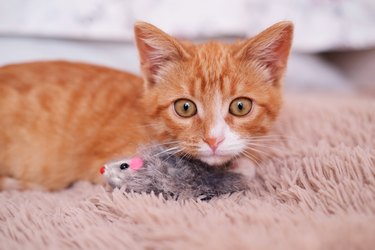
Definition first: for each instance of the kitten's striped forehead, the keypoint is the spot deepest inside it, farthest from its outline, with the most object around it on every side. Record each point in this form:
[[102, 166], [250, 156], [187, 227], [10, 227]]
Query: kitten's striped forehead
[[212, 64], [213, 61]]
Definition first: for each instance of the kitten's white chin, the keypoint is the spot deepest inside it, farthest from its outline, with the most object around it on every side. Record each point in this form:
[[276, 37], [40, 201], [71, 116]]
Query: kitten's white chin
[[215, 160]]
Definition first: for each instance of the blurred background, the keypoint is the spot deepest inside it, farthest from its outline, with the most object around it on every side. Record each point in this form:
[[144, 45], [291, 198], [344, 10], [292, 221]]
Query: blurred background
[[334, 46]]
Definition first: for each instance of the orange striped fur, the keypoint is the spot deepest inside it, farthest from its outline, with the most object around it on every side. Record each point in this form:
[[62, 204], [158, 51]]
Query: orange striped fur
[[61, 120]]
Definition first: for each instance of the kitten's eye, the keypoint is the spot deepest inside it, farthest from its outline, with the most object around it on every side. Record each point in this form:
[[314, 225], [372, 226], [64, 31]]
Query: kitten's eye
[[240, 106], [185, 108], [124, 166]]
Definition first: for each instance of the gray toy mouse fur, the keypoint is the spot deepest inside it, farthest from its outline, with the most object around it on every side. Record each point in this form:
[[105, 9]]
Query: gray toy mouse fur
[[172, 176]]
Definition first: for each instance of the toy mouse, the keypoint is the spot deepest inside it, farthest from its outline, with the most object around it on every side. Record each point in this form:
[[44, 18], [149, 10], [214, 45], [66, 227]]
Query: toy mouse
[[171, 175]]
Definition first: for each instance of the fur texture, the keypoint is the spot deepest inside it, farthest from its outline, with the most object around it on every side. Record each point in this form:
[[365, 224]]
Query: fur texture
[[177, 177], [60, 121]]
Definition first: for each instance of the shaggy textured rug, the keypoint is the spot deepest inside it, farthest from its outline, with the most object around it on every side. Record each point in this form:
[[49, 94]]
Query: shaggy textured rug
[[316, 190]]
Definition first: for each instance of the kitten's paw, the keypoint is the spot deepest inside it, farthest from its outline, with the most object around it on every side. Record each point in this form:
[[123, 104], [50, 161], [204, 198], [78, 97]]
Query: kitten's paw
[[245, 167]]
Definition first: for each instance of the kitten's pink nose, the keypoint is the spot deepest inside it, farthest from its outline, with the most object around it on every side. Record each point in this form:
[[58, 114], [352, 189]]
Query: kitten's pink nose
[[213, 142]]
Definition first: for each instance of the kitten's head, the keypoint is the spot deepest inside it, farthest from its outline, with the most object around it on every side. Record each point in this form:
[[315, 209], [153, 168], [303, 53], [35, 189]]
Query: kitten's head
[[209, 100]]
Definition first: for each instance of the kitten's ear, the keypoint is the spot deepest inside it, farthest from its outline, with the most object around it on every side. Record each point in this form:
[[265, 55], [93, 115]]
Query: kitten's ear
[[270, 48], [156, 49]]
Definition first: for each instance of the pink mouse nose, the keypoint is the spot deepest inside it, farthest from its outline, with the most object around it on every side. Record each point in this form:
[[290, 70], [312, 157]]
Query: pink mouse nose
[[102, 169]]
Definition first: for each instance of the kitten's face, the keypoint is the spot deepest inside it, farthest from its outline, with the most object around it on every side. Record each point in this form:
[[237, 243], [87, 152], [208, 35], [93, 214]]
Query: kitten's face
[[212, 100]]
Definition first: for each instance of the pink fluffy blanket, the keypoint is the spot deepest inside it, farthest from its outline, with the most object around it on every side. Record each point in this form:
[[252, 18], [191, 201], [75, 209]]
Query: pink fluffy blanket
[[315, 190]]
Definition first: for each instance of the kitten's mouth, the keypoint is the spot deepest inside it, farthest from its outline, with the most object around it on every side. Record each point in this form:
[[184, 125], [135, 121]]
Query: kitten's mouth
[[215, 160]]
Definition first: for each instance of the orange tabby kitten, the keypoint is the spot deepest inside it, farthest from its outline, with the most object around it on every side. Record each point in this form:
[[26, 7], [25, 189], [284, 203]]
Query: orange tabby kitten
[[60, 120]]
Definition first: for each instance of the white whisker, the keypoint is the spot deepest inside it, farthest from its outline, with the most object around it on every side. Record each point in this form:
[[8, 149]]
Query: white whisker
[[277, 137], [160, 144], [269, 155], [271, 147], [251, 157], [168, 150]]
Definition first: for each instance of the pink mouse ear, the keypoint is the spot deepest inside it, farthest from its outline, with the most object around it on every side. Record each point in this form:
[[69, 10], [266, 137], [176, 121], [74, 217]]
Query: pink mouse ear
[[136, 163]]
